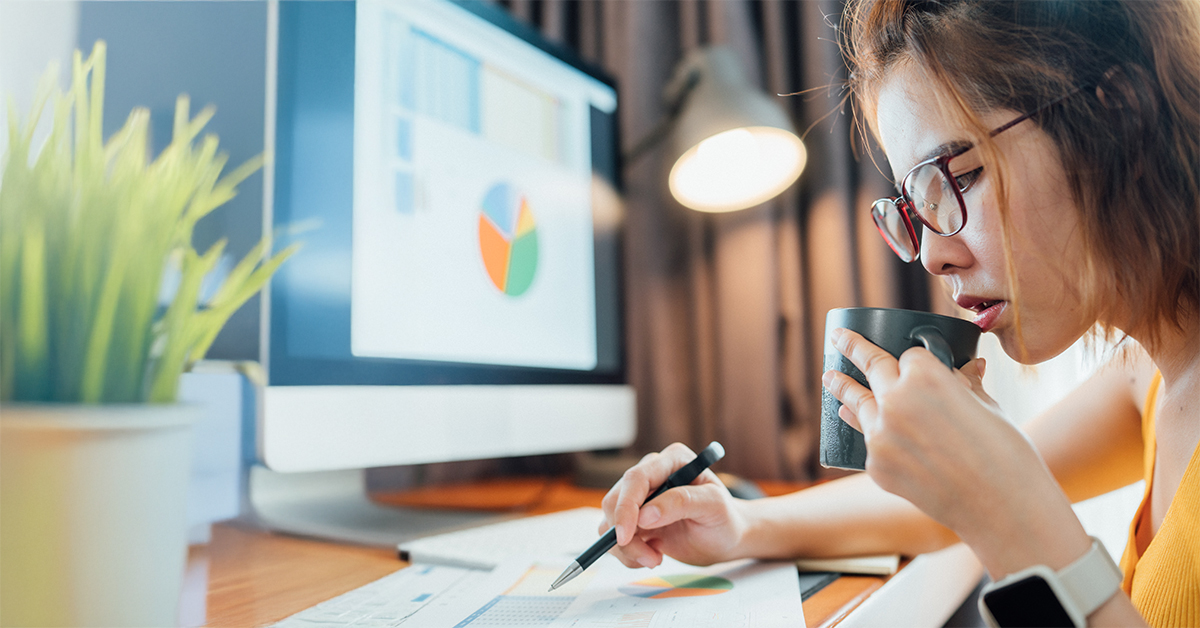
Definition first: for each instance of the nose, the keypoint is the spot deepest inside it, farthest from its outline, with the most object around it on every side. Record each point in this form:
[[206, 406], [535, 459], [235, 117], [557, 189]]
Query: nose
[[943, 255]]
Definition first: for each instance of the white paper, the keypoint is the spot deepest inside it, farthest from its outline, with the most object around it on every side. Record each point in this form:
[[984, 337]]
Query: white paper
[[393, 599], [747, 594]]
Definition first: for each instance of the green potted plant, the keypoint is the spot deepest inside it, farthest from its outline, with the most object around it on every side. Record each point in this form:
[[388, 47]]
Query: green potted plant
[[94, 451]]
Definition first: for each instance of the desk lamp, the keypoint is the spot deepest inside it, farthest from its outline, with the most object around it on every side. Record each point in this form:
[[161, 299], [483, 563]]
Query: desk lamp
[[732, 146]]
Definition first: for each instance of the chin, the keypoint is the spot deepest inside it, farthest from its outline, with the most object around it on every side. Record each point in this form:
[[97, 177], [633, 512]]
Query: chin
[[1037, 349]]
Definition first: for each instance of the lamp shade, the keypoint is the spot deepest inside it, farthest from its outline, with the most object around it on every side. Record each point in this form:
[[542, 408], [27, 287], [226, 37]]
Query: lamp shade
[[732, 146]]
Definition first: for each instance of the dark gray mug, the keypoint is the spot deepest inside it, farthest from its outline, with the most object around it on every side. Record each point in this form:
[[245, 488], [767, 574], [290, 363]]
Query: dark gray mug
[[952, 340]]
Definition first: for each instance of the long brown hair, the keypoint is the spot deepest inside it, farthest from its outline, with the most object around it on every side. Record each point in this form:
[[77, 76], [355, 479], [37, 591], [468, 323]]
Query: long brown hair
[[1129, 137]]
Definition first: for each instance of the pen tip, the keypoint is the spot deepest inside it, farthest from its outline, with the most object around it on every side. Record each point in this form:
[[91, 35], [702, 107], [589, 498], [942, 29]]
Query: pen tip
[[566, 576]]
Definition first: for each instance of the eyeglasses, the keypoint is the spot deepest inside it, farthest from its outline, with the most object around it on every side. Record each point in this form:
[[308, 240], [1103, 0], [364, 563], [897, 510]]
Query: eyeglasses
[[932, 192]]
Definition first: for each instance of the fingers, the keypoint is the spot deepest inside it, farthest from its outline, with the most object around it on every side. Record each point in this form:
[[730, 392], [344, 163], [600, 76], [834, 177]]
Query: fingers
[[857, 400], [972, 374], [880, 367], [698, 502], [671, 518], [637, 553], [623, 504], [623, 501], [919, 361], [845, 414]]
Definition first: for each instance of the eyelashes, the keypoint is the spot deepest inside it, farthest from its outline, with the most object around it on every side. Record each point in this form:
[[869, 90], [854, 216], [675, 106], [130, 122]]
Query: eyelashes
[[965, 180]]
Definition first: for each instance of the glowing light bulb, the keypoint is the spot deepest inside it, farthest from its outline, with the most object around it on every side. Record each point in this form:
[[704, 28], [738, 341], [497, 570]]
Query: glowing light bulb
[[737, 169]]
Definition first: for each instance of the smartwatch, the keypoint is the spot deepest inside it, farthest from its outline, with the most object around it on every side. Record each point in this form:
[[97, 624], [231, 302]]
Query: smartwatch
[[1039, 596]]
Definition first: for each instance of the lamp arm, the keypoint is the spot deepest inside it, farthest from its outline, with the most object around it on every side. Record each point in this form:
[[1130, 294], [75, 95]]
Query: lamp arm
[[649, 140], [675, 95]]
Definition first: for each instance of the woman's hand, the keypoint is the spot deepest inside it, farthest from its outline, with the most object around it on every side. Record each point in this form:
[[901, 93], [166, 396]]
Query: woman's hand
[[934, 438], [699, 524]]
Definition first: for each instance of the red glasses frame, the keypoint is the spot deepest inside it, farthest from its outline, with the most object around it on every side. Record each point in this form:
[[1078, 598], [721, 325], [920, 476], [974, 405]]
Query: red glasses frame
[[905, 205]]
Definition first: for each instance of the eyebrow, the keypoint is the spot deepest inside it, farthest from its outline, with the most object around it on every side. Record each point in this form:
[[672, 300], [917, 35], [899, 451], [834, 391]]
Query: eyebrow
[[956, 146], [947, 148]]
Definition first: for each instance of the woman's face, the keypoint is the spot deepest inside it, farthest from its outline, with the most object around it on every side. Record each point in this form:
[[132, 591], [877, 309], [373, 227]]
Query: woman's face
[[1046, 239]]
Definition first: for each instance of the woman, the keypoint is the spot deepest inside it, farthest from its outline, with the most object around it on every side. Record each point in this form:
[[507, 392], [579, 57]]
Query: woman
[[1052, 150]]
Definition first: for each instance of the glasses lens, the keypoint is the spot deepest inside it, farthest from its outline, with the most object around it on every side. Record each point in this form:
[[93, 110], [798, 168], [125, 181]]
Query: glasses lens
[[933, 200], [890, 222]]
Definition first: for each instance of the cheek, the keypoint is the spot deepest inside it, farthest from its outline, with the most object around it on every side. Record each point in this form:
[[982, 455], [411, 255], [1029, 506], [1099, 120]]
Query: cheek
[[1045, 218], [984, 234], [1047, 242]]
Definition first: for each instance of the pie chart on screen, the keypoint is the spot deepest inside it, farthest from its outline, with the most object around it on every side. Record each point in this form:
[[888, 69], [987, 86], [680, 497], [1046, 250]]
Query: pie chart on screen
[[508, 239], [683, 585]]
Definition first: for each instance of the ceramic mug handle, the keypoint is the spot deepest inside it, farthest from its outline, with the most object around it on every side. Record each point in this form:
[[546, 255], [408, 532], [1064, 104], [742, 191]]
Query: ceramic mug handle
[[933, 340]]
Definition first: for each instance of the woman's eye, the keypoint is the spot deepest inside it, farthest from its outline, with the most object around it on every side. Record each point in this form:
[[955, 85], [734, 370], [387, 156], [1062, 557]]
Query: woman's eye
[[965, 180]]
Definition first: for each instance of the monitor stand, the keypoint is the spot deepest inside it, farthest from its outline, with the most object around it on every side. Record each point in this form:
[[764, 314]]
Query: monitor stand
[[333, 505]]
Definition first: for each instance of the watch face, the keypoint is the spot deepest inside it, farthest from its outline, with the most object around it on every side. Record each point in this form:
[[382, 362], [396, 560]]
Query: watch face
[[1029, 602]]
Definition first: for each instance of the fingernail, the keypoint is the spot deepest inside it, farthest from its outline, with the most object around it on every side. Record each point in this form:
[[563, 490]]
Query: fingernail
[[827, 378], [982, 367], [836, 335], [646, 561], [649, 515]]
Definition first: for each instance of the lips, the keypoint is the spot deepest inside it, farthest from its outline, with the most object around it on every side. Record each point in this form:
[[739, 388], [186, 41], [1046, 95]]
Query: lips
[[987, 311]]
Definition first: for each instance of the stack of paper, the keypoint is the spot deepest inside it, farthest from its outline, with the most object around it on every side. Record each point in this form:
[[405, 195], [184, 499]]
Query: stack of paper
[[885, 565]]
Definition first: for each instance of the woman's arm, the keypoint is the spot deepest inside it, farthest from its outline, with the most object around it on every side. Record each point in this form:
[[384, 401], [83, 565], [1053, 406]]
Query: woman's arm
[[956, 459], [1092, 439], [703, 524], [1091, 442], [850, 516]]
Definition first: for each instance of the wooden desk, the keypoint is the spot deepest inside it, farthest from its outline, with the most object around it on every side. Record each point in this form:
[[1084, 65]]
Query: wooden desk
[[256, 578]]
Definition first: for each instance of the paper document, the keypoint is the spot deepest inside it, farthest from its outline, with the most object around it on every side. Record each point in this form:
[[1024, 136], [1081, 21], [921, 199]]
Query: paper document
[[884, 565], [391, 600], [745, 593], [567, 533]]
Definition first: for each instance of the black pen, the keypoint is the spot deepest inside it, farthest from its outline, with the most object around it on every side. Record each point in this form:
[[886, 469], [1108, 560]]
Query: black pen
[[682, 477]]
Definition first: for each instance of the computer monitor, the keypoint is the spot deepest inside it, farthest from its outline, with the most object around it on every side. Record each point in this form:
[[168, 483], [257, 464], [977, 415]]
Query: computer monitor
[[452, 177]]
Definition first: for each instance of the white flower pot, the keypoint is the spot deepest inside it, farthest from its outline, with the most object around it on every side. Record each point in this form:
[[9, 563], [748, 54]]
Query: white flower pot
[[93, 525]]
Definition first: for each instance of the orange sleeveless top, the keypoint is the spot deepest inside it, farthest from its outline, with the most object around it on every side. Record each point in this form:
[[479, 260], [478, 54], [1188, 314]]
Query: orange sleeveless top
[[1162, 571]]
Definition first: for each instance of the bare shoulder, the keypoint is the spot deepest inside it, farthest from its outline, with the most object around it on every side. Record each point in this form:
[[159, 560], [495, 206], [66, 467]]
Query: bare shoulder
[[1117, 388], [1130, 370], [1092, 439]]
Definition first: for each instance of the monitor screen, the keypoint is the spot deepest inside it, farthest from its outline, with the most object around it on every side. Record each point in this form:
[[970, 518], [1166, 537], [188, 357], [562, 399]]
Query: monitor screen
[[452, 178], [472, 235]]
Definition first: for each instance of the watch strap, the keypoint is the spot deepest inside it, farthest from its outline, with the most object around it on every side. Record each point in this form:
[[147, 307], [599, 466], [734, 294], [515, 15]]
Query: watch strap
[[1081, 587], [1092, 579]]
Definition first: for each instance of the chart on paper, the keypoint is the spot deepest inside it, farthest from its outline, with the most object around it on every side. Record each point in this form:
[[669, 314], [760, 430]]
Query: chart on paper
[[528, 602], [608, 595], [684, 585]]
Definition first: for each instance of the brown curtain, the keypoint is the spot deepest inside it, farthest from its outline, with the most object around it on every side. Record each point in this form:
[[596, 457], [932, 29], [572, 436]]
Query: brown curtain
[[725, 313]]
